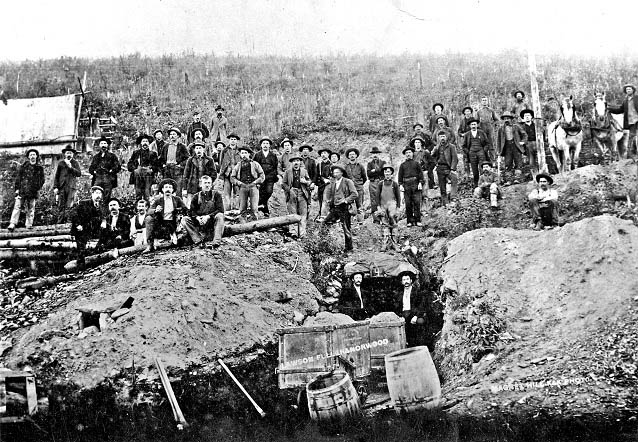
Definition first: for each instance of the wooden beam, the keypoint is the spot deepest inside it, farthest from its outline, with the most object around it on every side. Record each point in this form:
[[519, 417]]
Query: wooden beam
[[536, 107]]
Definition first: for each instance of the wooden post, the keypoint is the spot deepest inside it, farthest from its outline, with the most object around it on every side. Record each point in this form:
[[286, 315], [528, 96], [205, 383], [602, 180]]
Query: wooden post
[[418, 65], [77, 120], [538, 119]]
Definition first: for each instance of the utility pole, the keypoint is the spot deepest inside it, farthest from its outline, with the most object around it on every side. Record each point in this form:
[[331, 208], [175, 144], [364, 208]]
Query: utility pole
[[536, 107]]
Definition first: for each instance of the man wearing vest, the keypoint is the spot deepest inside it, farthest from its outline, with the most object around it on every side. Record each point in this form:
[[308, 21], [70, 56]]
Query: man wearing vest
[[410, 304], [196, 167], [411, 181], [357, 173], [389, 197], [206, 214], [269, 163], [351, 301], [65, 181], [323, 175], [296, 187], [247, 175], [511, 145], [104, 167], [444, 155], [86, 221], [286, 150], [374, 171], [143, 166], [340, 197], [173, 158], [163, 215], [138, 225], [531, 149], [476, 148], [228, 158]]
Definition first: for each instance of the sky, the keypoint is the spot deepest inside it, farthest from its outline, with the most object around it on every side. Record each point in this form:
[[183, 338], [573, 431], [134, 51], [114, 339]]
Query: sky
[[41, 29]]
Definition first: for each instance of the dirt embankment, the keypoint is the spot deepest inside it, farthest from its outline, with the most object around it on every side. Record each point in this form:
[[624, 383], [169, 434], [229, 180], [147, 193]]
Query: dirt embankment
[[542, 320]]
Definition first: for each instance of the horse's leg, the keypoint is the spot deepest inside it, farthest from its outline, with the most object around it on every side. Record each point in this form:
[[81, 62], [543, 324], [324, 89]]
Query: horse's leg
[[576, 156], [623, 145], [556, 155]]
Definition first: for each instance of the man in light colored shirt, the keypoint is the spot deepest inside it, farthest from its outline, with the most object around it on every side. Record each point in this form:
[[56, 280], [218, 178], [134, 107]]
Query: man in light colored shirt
[[411, 308], [629, 108], [352, 301], [138, 226], [543, 203], [163, 214]]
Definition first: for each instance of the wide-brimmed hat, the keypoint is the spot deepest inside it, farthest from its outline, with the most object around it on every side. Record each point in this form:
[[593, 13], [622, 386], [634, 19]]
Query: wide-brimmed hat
[[352, 149], [265, 138], [417, 124], [69, 148], [113, 199], [202, 129], [335, 153], [325, 149], [518, 91], [286, 140], [103, 138], [438, 104], [139, 139], [387, 166], [472, 120], [176, 130], [158, 130], [507, 114], [294, 157], [357, 273], [375, 149], [94, 188], [410, 148], [527, 111], [483, 163], [234, 135], [438, 117], [417, 138], [220, 142], [37, 154], [219, 108], [338, 166], [170, 181], [305, 146], [626, 85], [246, 148], [547, 176], [467, 107], [441, 132]]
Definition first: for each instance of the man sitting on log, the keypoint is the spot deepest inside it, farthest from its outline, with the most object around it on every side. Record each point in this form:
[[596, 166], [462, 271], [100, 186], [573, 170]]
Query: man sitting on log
[[247, 175], [543, 203], [86, 219], [352, 302], [411, 305], [28, 183], [488, 185], [138, 224], [295, 185], [163, 214], [116, 229], [206, 214], [65, 181]]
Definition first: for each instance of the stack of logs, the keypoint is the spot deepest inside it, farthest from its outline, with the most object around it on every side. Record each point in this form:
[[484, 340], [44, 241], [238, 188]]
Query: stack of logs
[[42, 243]]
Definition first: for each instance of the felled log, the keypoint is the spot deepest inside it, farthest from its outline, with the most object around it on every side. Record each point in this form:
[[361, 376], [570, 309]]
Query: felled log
[[53, 230], [101, 258], [32, 254], [261, 225], [38, 283], [39, 244], [47, 238]]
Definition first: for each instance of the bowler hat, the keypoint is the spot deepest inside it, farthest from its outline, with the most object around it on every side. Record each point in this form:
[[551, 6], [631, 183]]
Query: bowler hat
[[444, 118], [507, 114], [286, 140], [94, 188], [103, 138], [626, 85], [527, 111], [37, 154], [410, 148], [338, 166], [202, 129], [352, 149], [69, 148], [375, 149], [325, 149], [219, 108], [198, 143], [438, 104], [220, 142], [519, 91], [441, 132], [388, 167], [158, 130], [305, 146], [547, 176], [483, 163], [176, 130], [467, 107], [417, 124], [234, 135], [417, 138], [294, 157], [170, 181], [472, 120], [139, 139], [246, 148], [335, 153], [265, 138]]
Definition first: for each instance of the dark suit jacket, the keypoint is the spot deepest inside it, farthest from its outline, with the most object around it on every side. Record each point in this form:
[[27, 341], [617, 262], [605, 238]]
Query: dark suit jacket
[[449, 155], [108, 164], [30, 179], [122, 229], [178, 207], [65, 176], [375, 172], [350, 304], [269, 165], [134, 162], [417, 305], [85, 214], [622, 109], [181, 154], [198, 206], [323, 170], [350, 192], [519, 136], [483, 138], [192, 175], [286, 183]]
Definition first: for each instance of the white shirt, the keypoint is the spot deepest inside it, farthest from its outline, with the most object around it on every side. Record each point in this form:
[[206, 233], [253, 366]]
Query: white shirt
[[548, 195], [358, 290], [168, 208], [338, 183], [113, 222], [474, 133], [407, 291]]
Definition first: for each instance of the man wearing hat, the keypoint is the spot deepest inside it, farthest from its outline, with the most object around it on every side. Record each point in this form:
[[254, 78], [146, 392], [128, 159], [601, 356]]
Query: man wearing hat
[[520, 104], [411, 181], [442, 124], [138, 223], [218, 124], [446, 159], [307, 161], [543, 203], [104, 167], [164, 214], [172, 158], [423, 156], [531, 151], [511, 146], [389, 197], [143, 165], [28, 183], [374, 171], [286, 150], [410, 304], [629, 108], [340, 197], [65, 180], [197, 137], [438, 112], [464, 125], [158, 141], [351, 301], [487, 119], [476, 148], [357, 173], [196, 124], [228, 158], [86, 221], [196, 167], [115, 231], [269, 163], [247, 175], [296, 186], [488, 185], [206, 214], [323, 175]]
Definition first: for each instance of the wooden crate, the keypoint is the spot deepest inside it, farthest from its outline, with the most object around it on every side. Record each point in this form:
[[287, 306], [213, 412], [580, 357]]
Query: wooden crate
[[394, 332], [31, 395]]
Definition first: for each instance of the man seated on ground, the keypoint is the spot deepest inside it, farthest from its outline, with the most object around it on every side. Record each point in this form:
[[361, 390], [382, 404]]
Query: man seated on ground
[[352, 301], [543, 203], [296, 186], [115, 231], [389, 197], [206, 214], [488, 185], [163, 214], [138, 225], [86, 219], [247, 175], [411, 306]]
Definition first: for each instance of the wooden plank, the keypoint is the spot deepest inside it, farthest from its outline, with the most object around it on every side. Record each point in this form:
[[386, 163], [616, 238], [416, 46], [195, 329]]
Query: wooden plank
[[3, 396], [16, 374], [32, 396], [536, 107], [177, 411]]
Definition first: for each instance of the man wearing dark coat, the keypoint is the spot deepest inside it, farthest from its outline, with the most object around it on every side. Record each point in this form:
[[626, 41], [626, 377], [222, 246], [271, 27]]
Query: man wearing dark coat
[[410, 304], [340, 195], [446, 160], [196, 167], [323, 175], [172, 158], [163, 214], [158, 143], [357, 173], [65, 180], [143, 165], [269, 163], [476, 148], [206, 214], [86, 221], [354, 300], [228, 157], [104, 167], [196, 124], [28, 183], [115, 232], [411, 180], [296, 186], [511, 139], [374, 171], [629, 108]]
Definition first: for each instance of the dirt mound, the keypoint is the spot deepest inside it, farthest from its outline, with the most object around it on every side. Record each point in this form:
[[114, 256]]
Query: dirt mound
[[384, 317], [542, 319], [189, 306], [327, 318]]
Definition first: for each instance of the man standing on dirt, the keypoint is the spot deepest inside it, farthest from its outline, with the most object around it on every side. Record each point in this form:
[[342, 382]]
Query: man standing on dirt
[[487, 119], [163, 214], [173, 158], [444, 155], [389, 197], [520, 104], [374, 170], [296, 186], [28, 183], [228, 158], [206, 214], [423, 156], [218, 125], [510, 148], [476, 148], [411, 181], [286, 150], [442, 124], [529, 127], [464, 125], [488, 185], [341, 194], [351, 301], [138, 226], [247, 175], [269, 163], [198, 137], [65, 181], [115, 232], [158, 143], [323, 175], [438, 112], [357, 173], [196, 167], [307, 161], [629, 108], [104, 167], [143, 165], [411, 306], [86, 222], [543, 203], [196, 124]]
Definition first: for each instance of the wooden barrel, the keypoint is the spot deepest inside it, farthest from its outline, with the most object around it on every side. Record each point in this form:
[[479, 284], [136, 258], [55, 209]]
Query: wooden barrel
[[332, 397], [394, 333], [413, 382]]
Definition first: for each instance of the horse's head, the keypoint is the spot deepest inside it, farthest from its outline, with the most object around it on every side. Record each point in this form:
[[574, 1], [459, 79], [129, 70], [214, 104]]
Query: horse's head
[[600, 105], [567, 109]]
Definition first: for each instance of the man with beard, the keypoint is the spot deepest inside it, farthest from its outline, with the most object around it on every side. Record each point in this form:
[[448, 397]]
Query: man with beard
[[374, 171], [296, 187], [143, 165], [411, 181], [307, 161], [357, 173], [511, 146], [629, 108], [196, 167], [487, 118], [389, 197], [86, 221], [206, 214], [340, 195], [529, 127], [476, 148], [323, 175], [28, 183], [198, 137], [442, 124], [423, 157], [196, 124], [351, 301], [438, 112], [444, 155], [286, 149], [173, 158], [115, 231], [218, 125], [104, 167], [228, 158], [411, 306], [543, 203], [488, 185], [520, 104], [247, 175], [464, 125], [163, 215], [138, 225], [65, 181], [269, 163], [158, 143]]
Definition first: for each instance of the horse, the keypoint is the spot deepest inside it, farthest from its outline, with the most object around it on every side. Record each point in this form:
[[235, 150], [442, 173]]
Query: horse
[[606, 130], [565, 137]]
